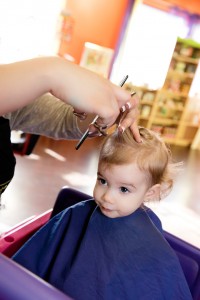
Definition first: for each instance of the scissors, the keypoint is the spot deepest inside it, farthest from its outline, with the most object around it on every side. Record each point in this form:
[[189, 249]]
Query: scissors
[[102, 128]]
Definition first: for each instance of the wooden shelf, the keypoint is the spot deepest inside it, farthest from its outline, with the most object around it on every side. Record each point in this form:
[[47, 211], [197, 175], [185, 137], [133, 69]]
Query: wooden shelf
[[186, 59], [189, 124], [165, 121], [178, 142], [144, 118], [170, 93], [167, 108], [146, 103], [175, 73]]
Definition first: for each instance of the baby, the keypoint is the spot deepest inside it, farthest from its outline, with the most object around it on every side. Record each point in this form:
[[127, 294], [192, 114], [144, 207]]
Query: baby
[[109, 247]]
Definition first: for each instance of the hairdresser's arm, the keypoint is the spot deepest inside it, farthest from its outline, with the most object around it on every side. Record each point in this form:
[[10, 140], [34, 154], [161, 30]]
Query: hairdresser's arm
[[50, 117], [47, 116], [23, 82]]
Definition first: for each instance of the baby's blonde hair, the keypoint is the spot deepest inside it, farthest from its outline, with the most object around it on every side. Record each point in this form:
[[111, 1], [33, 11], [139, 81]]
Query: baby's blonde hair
[[151, 155]]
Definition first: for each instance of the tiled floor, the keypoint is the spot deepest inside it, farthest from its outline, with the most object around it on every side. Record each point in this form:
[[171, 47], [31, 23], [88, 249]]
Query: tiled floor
[[53, 164]]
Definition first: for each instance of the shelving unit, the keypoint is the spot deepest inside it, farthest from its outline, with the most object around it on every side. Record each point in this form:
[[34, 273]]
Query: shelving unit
[[147, 102], [166, 111]]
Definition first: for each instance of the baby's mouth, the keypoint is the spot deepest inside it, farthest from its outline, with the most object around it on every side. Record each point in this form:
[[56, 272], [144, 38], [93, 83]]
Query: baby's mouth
[[106, 209]]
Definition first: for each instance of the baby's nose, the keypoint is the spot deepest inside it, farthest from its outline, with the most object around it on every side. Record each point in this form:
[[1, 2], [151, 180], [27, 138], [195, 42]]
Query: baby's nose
[[108, 197]]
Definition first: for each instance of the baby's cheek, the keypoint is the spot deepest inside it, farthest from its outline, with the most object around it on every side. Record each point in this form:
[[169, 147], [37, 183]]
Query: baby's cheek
[[95, 191]]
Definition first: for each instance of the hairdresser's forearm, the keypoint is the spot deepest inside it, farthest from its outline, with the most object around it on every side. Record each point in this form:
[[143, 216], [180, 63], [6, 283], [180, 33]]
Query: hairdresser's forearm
[[22, 82]]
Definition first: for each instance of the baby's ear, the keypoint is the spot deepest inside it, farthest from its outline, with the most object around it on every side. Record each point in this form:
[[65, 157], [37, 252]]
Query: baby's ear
[[153, 193], [165, 190]]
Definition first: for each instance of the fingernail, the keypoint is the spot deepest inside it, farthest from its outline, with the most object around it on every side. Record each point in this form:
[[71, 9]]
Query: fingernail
[[82, 116], [128, 105], [123, 108], [121, 129]]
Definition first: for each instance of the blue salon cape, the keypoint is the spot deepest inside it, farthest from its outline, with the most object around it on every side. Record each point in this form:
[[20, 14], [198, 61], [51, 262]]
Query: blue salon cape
[[90, 256]]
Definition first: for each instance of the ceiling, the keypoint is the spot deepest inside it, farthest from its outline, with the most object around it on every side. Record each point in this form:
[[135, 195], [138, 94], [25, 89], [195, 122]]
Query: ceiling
[[192, 6]]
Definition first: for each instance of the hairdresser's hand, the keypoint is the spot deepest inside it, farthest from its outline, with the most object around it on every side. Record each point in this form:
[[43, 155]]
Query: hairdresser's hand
[[89, 93], [23, 82], [131, 115]]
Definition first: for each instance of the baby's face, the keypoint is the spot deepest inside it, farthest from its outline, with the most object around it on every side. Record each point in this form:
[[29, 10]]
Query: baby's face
[[120, 190]]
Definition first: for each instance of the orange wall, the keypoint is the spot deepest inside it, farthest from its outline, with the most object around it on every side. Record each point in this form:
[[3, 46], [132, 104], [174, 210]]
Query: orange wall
[[95, 21]]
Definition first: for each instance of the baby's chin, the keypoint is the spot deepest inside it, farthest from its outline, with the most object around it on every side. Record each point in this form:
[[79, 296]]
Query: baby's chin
[[109, 213]]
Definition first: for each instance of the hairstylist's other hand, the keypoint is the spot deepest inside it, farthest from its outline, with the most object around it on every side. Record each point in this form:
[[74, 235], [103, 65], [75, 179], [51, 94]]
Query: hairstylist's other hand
[[130, 119], [87, 92]]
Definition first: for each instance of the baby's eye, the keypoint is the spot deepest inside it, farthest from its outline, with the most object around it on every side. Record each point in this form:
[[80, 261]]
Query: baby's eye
[[124, 189], [102, 181]]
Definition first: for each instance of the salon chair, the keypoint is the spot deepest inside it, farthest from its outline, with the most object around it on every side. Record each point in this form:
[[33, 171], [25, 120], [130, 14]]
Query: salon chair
[[189, 255]]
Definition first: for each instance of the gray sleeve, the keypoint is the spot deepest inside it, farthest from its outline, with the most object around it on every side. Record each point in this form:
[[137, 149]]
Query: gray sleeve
[[46, 116]]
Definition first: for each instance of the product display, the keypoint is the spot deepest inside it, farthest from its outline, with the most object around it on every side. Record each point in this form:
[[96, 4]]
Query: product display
[[168, 110]]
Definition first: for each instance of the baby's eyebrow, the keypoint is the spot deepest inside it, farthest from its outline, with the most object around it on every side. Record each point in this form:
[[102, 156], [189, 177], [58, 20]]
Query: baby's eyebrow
[[127, 184], [99, 174]]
